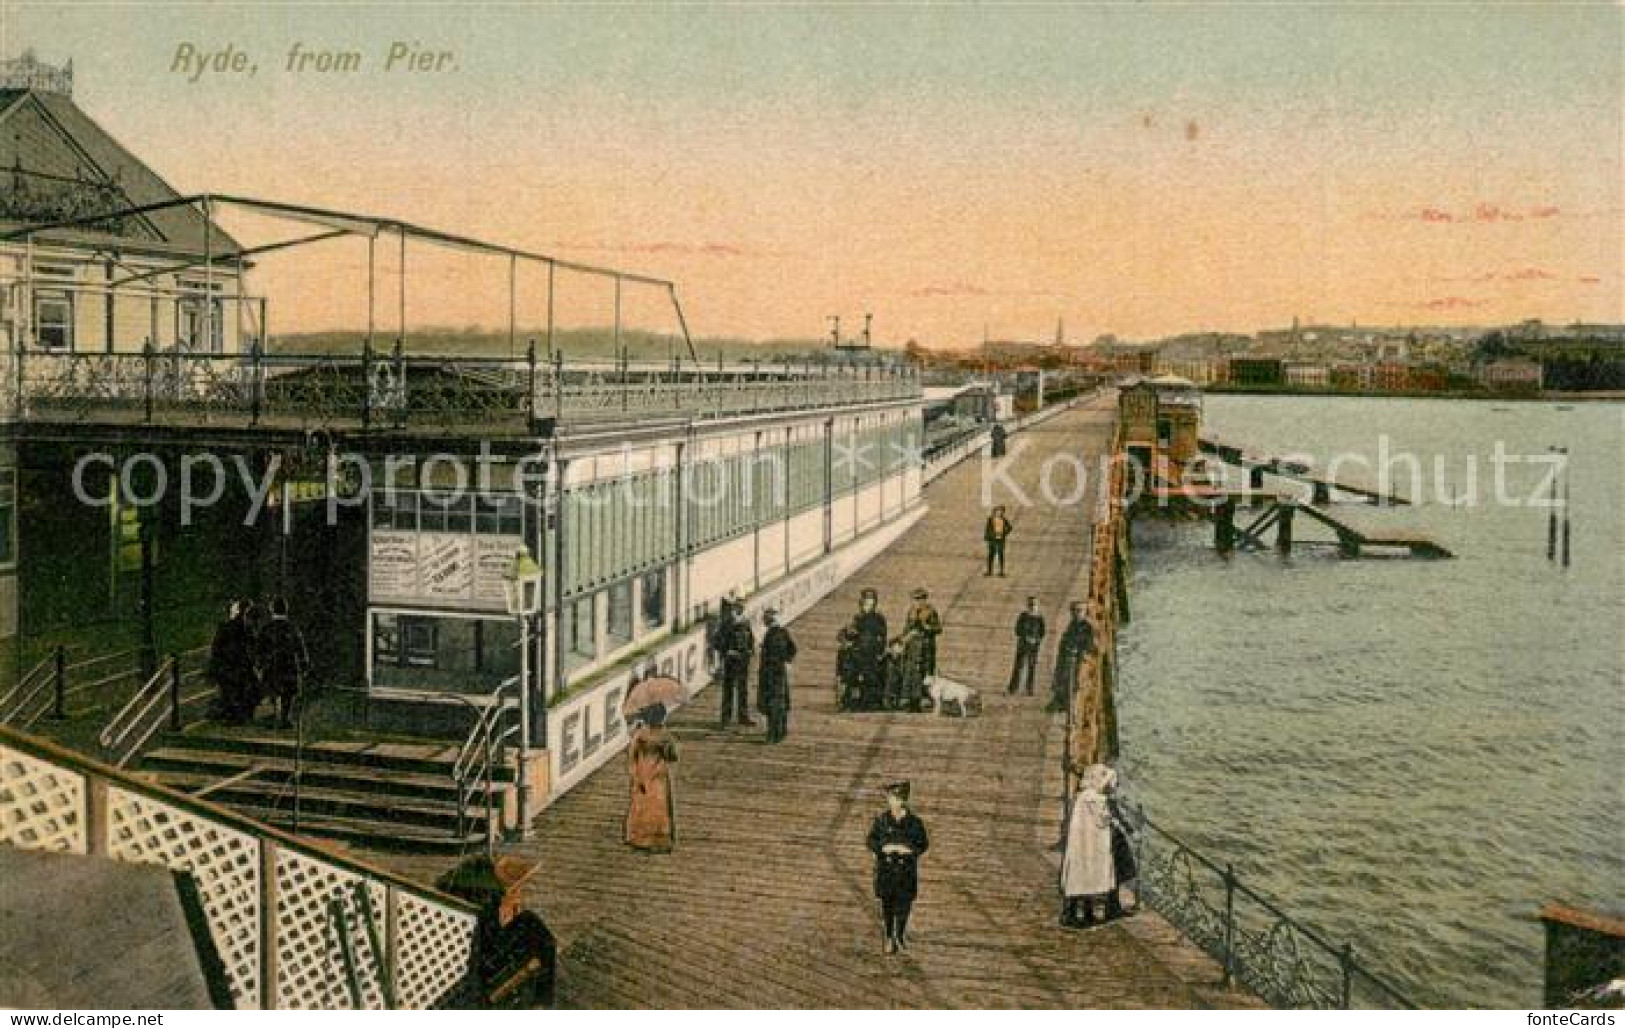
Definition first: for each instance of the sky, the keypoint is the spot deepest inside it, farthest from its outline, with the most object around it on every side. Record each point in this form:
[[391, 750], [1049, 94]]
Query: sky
[[1135, 169]]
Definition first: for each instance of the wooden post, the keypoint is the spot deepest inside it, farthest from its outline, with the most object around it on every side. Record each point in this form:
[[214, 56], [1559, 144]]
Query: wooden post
[[1283, 526], [1224, 526]]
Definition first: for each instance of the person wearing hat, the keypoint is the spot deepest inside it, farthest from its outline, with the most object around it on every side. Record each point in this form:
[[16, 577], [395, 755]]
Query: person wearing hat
[[284, 662], [924, 619], [897, 839], [773, 685], [994, 533], [864, 650], [737, 644], [651, 811], [1029, 637], [1077, 642], [1089, 869]]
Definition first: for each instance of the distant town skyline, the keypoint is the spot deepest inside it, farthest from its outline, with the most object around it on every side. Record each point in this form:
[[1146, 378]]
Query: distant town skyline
[[1138, 170]]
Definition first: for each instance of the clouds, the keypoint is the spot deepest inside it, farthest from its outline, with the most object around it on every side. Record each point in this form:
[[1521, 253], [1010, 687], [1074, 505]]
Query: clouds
[[1483, 212]]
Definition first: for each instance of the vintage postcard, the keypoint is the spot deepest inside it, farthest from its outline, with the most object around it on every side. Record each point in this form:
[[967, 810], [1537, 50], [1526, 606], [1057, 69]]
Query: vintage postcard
[[894, 506]]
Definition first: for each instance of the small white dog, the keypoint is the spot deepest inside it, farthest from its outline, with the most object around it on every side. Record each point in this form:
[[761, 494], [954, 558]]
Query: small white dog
[[946, 690]]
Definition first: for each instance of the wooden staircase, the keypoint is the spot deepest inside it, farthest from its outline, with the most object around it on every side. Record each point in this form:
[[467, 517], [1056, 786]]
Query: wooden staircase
[[375, 793]]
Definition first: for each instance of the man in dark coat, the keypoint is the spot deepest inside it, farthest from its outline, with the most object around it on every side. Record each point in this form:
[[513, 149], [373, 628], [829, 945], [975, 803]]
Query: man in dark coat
[[994, 533], [897, 839], [284, 662], [865, 642], [924, 619], [1029, 637], [773, 687], [1077, 642], [738, 646], [231, 667]]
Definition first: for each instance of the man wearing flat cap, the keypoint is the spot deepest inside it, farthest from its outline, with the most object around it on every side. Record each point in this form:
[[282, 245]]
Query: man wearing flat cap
[[897, 839], [773, 687]]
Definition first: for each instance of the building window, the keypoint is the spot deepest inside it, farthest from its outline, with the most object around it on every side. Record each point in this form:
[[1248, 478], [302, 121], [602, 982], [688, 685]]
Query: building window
[[653, 607], [619, 625], [580, 632], [53, 320], [190, 314], [8, 516]]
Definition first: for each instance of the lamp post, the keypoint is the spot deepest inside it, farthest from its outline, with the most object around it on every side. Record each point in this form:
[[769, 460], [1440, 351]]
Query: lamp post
[[522, 590]]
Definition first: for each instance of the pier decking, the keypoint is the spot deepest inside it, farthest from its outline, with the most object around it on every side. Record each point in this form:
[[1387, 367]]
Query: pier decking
[[766, 901]]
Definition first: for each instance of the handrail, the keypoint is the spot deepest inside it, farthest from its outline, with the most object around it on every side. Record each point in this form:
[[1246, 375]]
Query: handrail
[[1267, 959], [477, 757], [163, 685], [15, 702]]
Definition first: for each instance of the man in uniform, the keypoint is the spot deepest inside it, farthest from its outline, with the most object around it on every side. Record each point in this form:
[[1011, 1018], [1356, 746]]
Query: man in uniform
[[773, 687], [1029, 637], [1077, 642], [738, 646], [994, 533]]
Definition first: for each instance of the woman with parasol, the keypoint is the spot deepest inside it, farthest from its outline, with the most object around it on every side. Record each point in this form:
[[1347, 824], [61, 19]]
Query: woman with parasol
[[651, 815]]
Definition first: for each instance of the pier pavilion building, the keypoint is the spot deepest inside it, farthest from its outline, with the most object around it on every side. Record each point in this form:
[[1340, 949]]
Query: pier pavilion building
[[392, 492]]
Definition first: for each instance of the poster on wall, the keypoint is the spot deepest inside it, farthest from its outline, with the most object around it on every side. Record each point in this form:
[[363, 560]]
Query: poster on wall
[[439, 569]]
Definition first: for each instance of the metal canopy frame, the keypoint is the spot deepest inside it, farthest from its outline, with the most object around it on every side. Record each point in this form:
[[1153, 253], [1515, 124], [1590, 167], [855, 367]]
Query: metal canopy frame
[[338, 224]]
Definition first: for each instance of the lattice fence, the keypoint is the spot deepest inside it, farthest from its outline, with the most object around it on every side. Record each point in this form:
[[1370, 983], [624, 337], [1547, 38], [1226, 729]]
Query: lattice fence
[[224, 862], [331, 949], [42, 806], [310, 939], [433, 945]]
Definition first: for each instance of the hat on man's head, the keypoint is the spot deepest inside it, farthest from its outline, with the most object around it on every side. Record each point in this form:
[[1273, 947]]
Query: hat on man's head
[[919, 594], [898, 789], [868, 594]]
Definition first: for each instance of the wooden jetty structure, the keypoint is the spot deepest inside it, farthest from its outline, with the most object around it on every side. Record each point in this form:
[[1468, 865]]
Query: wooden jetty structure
[[1353, 540], [1324, 487], [766, 900]]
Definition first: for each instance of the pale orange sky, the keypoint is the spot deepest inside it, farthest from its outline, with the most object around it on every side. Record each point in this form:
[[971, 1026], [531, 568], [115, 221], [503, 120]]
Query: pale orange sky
[[1136, 170]]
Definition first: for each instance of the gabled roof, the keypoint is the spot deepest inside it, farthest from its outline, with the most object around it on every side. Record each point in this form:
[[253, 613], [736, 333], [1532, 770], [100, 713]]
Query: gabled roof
[[47, 134]]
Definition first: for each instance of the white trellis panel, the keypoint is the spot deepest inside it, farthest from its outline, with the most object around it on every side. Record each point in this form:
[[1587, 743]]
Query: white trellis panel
[[309, 962], [42, 806], [224, 862], [433, 946]]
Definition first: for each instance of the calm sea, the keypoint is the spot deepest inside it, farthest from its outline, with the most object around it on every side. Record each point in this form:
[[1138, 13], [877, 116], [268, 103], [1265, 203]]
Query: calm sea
[[1412, 755]]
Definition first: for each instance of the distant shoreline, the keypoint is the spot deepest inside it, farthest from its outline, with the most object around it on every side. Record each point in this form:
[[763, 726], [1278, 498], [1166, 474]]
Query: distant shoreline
[[1598, 396]]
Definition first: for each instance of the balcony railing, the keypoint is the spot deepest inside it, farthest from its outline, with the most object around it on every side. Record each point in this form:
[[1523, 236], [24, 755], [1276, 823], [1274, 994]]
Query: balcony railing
[[389, 391]]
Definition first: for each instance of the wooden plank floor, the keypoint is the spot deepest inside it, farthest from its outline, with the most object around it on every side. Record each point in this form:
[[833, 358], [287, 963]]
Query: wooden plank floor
[[766, 901]]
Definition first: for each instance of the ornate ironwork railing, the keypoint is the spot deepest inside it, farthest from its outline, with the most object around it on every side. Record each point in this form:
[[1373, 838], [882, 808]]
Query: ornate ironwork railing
[[392, 391], [1257, 944]]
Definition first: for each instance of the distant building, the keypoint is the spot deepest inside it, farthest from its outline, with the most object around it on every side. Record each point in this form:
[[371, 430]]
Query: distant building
[[1136, 362], [1391, 377], [1351, 376], [1256, 371], [1198, 371], [1513, 375], [1307, 376]]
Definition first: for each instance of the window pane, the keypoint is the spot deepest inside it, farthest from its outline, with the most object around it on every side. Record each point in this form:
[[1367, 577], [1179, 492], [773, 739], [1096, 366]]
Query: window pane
[[619, 627], [654, 599]]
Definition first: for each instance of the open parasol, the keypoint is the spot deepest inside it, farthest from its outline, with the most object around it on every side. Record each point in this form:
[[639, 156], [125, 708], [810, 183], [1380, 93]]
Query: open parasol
[[661, 689]]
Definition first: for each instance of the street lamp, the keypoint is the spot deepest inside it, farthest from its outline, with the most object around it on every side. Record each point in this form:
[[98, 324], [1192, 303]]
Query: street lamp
[[522, 591]]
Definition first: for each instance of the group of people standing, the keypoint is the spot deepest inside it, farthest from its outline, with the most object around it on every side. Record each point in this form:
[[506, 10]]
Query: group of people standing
[[1077, 642], [877, 673], [731, 644], [255, 657]]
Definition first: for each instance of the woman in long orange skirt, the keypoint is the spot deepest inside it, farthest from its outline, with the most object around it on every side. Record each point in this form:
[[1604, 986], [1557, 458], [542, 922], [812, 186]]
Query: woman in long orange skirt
[[651, 816]]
